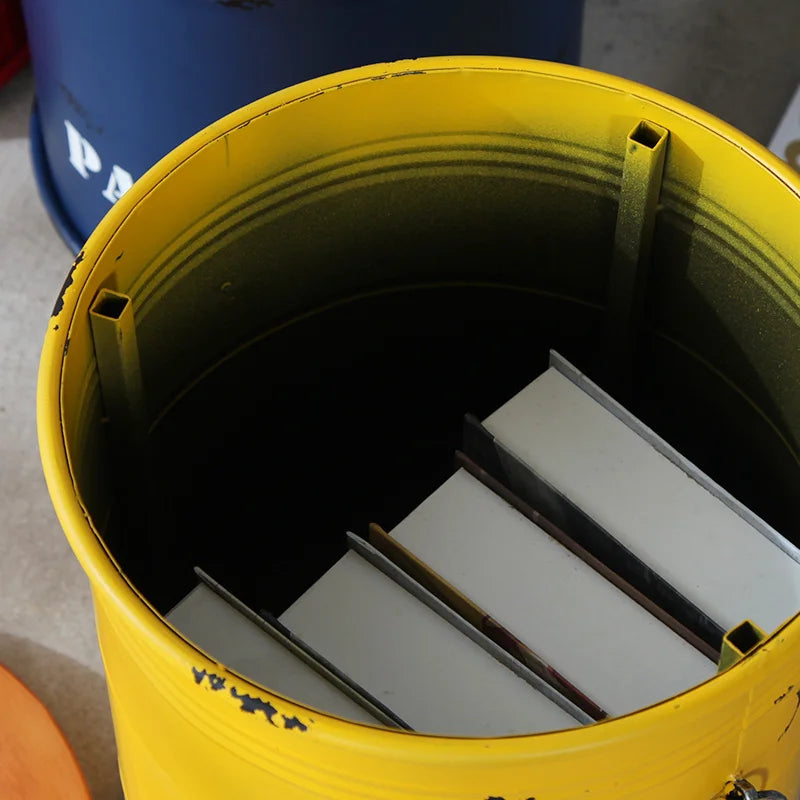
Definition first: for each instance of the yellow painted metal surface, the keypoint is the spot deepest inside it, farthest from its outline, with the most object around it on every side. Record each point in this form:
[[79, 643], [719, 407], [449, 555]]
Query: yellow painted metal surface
[[737, 642], [187, 727]]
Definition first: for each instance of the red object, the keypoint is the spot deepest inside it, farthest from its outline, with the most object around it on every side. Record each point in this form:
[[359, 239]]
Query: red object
[[13, 42]]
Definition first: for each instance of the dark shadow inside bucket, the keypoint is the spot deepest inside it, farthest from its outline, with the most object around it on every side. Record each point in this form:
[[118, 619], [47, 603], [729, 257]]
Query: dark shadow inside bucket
[[329, 408], [335, 422]]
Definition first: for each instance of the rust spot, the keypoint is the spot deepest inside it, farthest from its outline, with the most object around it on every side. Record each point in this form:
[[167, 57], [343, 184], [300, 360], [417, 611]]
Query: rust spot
[[67, 283], [792, 718], [783, 696]]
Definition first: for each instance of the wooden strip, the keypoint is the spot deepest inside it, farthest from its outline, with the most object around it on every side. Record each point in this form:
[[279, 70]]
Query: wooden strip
[[378, 560], [563, 518], [478, 618], [581, 552], [397, 647]]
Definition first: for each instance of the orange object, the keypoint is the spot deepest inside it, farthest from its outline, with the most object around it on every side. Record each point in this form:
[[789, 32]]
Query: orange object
[[36, 763]]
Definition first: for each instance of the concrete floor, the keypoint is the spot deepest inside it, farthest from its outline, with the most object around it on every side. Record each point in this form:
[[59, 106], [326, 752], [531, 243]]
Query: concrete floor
[[738, 59]]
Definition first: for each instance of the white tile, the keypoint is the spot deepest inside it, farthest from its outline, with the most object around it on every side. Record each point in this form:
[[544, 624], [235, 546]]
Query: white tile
[[230, 638], [583, 626], [704, 549], [423, 668]]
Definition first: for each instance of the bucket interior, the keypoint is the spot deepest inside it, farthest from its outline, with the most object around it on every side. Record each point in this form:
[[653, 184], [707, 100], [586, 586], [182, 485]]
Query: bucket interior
[[312, 333]]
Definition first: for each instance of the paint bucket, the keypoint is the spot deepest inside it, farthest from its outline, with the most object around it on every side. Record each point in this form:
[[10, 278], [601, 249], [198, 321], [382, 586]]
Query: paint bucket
[[320, 285], [119, 85]]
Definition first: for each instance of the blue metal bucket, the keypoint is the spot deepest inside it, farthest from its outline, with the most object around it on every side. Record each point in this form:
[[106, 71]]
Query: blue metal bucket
[[120, 84]]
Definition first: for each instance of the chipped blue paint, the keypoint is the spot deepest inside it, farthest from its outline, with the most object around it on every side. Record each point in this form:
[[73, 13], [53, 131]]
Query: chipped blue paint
[[216, 682], [290, 723], [252, 704], [497, 797], [248, 703]]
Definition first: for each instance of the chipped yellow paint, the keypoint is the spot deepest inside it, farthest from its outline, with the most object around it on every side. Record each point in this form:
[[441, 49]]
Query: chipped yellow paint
[[188, 728]]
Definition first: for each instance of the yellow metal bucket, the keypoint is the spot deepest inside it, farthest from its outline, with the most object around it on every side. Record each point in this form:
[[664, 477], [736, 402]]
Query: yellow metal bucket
[[407, 194]]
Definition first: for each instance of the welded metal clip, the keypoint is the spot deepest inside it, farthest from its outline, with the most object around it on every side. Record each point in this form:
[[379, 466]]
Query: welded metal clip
[[740, 789]]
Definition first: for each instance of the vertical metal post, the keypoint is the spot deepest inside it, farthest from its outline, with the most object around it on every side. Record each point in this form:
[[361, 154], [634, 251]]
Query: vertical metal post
[[119, 370], [117, 353], [642, 172], [738, 642]]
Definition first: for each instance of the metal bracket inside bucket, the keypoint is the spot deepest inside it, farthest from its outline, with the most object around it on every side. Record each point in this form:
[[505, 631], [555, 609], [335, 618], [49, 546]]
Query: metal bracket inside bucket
[[643, 169]]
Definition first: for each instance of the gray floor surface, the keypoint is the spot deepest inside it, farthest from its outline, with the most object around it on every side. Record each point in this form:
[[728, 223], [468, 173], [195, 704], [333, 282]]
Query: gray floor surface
[[739, 59]]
